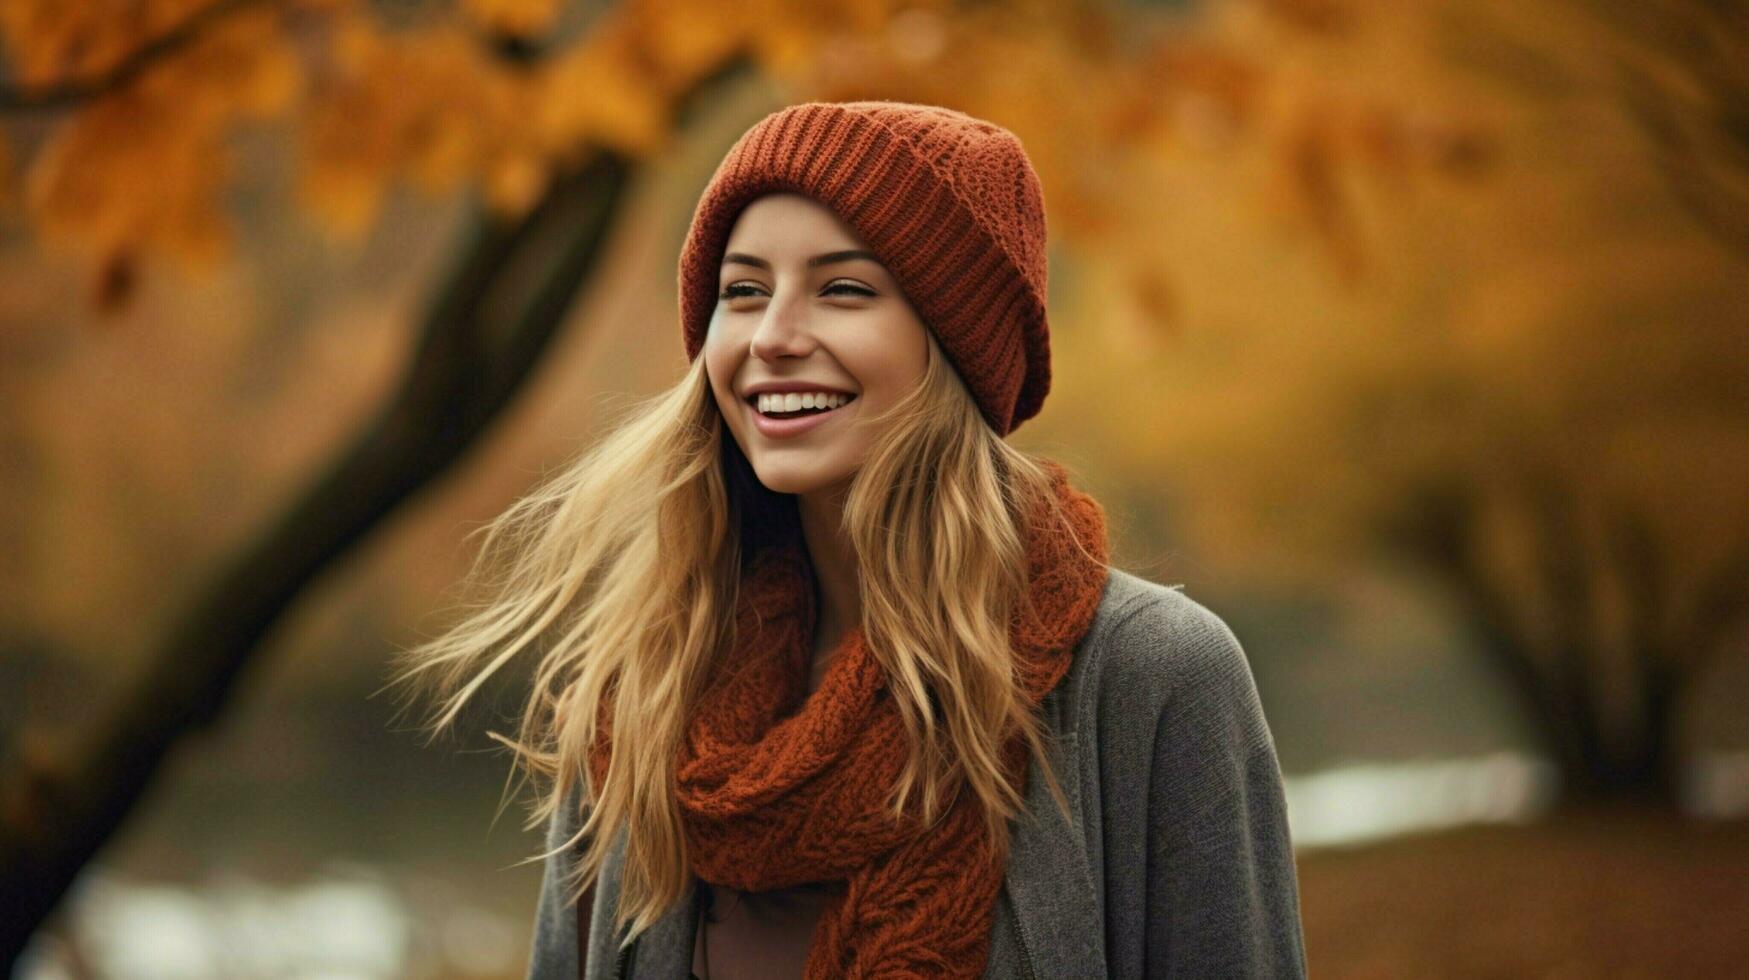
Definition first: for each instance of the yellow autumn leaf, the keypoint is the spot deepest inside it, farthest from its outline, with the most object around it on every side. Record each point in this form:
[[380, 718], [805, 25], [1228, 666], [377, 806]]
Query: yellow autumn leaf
[[686, 40], [346, 200], [519, 18], [514, 182], [593, 93]]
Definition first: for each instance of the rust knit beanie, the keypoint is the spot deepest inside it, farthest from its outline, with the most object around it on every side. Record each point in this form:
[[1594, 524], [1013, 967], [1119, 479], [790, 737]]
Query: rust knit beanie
[[948, 201]]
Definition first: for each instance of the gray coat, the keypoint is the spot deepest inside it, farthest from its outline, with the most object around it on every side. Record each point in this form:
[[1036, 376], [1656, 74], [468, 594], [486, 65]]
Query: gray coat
[[1178, 862]]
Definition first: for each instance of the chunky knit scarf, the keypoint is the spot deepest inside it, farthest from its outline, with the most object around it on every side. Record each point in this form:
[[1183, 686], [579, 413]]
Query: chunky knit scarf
[[778, 788]]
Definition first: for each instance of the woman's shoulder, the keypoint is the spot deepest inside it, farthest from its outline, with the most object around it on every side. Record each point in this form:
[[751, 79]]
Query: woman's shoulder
[[1152, 643]]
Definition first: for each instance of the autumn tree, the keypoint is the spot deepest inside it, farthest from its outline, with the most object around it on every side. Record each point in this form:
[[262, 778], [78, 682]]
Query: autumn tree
[[1536, 407]]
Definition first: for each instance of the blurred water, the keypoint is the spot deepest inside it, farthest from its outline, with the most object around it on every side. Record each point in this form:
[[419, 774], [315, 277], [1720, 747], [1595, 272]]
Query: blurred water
[[1371, 801], [347, 921], [1364, 802], [1717, 785], [361, 922]]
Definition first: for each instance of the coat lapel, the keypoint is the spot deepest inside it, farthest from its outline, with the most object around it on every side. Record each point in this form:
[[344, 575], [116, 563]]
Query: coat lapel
[[1049, 883], [664, 950]]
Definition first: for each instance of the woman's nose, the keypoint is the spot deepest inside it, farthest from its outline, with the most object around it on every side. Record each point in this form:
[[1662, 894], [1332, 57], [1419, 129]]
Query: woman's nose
[[783, 329]]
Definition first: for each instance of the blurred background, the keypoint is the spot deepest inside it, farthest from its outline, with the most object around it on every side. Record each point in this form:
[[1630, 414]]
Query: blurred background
[[1411, 337]]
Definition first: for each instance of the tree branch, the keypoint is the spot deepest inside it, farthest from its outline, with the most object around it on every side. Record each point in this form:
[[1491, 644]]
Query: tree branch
[[56, 816], [63, 94], [1562, 559], [1721, 602], [1437, 528], [1634, 547], [1701, 147]]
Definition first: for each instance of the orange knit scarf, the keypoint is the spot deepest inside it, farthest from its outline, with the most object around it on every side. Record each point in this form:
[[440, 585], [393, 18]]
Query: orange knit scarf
[[778, 788]]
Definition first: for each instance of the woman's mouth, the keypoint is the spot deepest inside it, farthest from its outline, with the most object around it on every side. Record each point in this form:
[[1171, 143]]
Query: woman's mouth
[[779, 421]]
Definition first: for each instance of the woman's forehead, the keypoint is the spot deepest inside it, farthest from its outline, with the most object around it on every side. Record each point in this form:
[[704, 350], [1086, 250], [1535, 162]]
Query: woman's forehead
[[786, 218]]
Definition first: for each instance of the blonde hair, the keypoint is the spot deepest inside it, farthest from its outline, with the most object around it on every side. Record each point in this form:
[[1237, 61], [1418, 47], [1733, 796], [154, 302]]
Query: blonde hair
[[623, 570]]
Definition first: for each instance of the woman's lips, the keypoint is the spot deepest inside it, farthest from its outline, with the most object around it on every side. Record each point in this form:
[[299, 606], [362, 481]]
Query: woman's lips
[[785, 428]]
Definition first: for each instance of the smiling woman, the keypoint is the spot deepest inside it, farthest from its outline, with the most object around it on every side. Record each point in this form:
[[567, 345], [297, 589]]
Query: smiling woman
[[819, 641]]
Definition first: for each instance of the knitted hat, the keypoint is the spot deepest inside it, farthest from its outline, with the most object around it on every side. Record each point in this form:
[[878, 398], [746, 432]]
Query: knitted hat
[[948, 201]]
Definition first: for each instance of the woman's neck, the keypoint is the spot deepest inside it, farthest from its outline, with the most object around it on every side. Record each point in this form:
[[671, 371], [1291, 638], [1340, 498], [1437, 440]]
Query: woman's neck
[[835, 576]]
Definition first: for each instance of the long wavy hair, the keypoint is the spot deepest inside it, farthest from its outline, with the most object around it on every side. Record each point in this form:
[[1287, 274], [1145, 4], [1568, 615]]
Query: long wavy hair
[[622, 571]]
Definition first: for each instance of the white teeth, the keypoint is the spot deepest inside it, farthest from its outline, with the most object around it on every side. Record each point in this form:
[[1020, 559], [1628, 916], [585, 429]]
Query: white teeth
[[795, 401]]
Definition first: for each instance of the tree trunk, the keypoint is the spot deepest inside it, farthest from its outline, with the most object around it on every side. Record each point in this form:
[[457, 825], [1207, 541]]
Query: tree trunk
[[482, 338], [1439, 528]]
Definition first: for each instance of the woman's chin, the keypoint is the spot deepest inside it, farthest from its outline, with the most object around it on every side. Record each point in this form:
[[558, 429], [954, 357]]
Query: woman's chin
[[781, 478]]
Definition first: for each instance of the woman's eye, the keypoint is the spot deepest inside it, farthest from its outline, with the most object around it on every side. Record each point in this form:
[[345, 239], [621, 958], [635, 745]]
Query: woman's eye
[[854, 289], [740, 289]]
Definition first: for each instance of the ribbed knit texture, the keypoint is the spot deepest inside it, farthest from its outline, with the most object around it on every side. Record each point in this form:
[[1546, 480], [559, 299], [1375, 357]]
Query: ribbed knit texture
[[948, 201], [778, 787]]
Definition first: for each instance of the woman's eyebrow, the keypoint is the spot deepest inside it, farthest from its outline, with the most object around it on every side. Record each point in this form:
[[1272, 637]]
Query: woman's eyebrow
[[827, 258]]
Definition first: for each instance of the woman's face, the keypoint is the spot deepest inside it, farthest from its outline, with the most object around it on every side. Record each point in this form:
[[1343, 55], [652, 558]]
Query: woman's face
[[803, 306]]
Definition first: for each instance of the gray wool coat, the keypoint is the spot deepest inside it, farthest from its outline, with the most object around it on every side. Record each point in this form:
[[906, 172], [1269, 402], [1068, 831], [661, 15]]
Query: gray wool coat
[[1178, 862]]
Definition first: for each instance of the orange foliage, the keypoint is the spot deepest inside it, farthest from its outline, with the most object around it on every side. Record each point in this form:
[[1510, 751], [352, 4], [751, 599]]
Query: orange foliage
[[435, 99], [426, 104], [518, 18], [1562, 347], [49, 41], [144, 167]]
